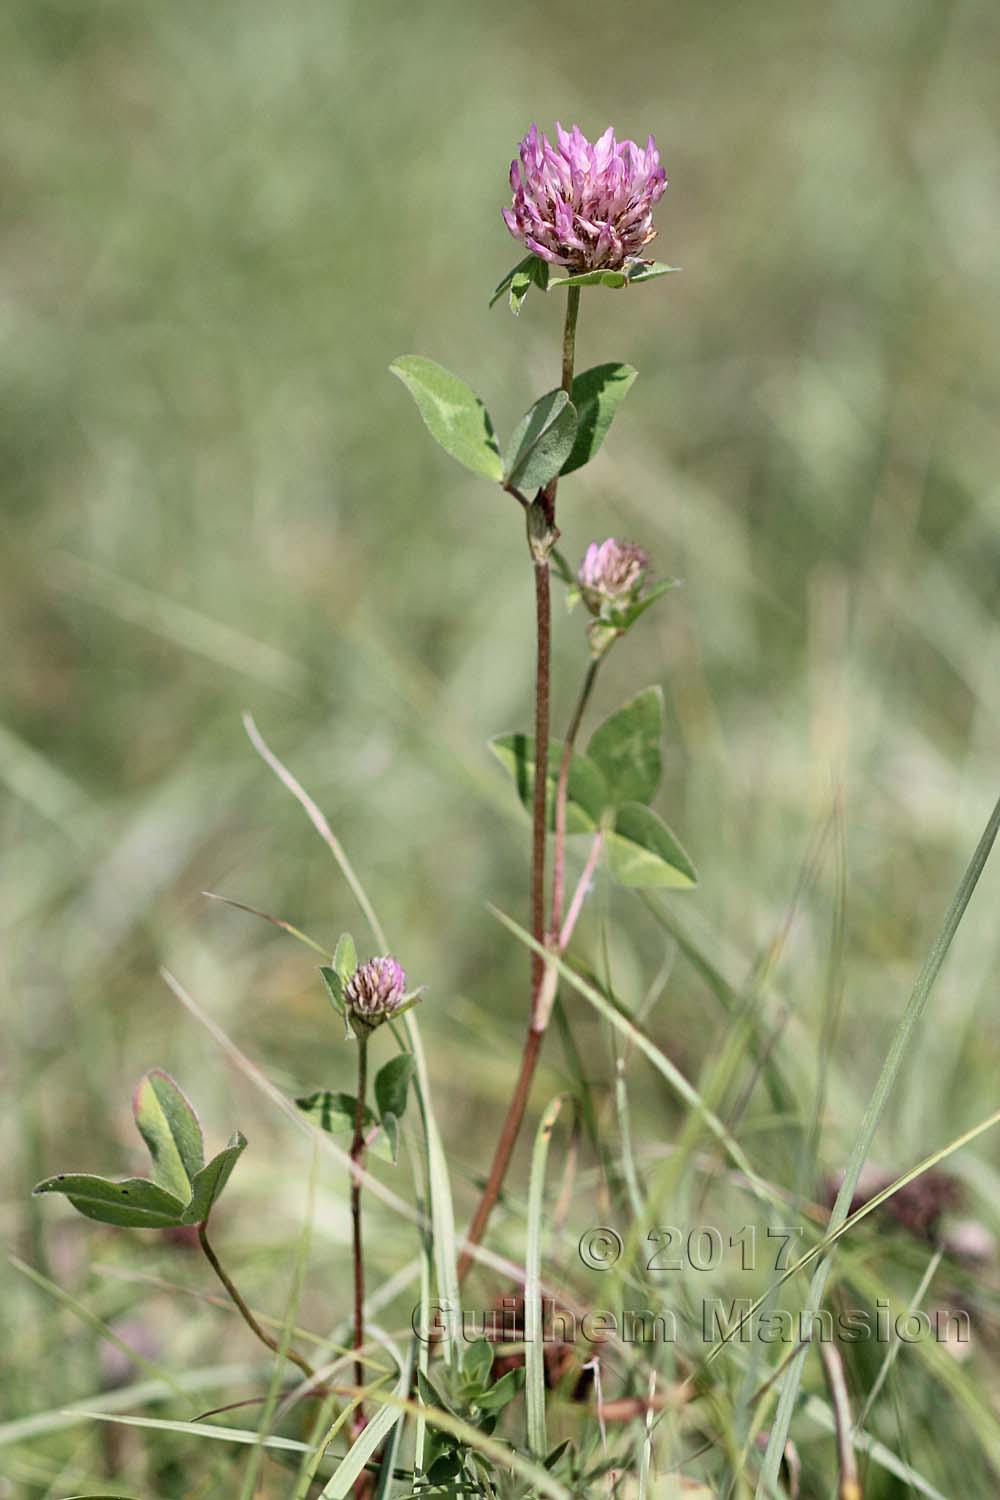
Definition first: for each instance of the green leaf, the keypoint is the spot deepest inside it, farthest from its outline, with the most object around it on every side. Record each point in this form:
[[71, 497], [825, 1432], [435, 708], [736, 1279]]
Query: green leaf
[[597, 395], [170, 1128], [587, 793], [430, 1394], [593, 278], [453, 414], [334, 988], [392, 1083], [334, 1112], [541, 441], [210, 1181], [627, 617], [520, 286], [555, 1454], [626, 748], [650, 272], [381, 1136], [531, 271], [643, 852], [385, 1141], [345, 957], [477, 1362], [503, 1392], [133, 1204], [634, 273], [445, 1467]]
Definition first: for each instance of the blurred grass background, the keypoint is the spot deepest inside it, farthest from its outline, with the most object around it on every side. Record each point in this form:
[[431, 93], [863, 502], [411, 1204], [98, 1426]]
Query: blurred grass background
[[219, 225]]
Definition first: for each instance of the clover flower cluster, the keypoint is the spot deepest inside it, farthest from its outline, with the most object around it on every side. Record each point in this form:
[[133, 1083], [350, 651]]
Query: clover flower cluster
[[612, 573], [375, 991], [588, 206]]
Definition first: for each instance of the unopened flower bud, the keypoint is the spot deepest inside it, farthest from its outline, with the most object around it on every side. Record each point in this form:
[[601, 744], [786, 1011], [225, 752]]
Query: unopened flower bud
[[375, 991], [612, 574]]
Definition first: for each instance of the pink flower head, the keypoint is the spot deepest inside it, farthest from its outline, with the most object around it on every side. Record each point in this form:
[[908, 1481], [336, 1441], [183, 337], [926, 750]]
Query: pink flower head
[[375, 991], [612, 573], [582, 205]]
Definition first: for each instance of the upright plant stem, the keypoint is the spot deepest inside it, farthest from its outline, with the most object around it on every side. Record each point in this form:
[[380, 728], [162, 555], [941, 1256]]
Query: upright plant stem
[[242, 1307], [562, 790], [543, 693], [357, 1155], [569, 341], [533, 1039]]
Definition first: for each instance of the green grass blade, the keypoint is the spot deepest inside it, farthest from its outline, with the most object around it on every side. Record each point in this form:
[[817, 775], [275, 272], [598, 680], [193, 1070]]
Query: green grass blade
[[442, 1211], [896, 1344], [534, 1352], [202, 1430], [40, 1424], [361, 1450], [890, 1071], [625, 1136], [387, 1467]]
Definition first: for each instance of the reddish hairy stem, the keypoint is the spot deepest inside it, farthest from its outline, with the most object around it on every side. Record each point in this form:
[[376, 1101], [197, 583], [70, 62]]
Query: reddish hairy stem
[[543, 616], [562, 790], [533, 1040], [505, 1148]]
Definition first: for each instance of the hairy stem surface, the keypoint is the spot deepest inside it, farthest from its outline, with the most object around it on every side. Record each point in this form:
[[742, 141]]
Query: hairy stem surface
[[533, 1038], [562, 790]]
